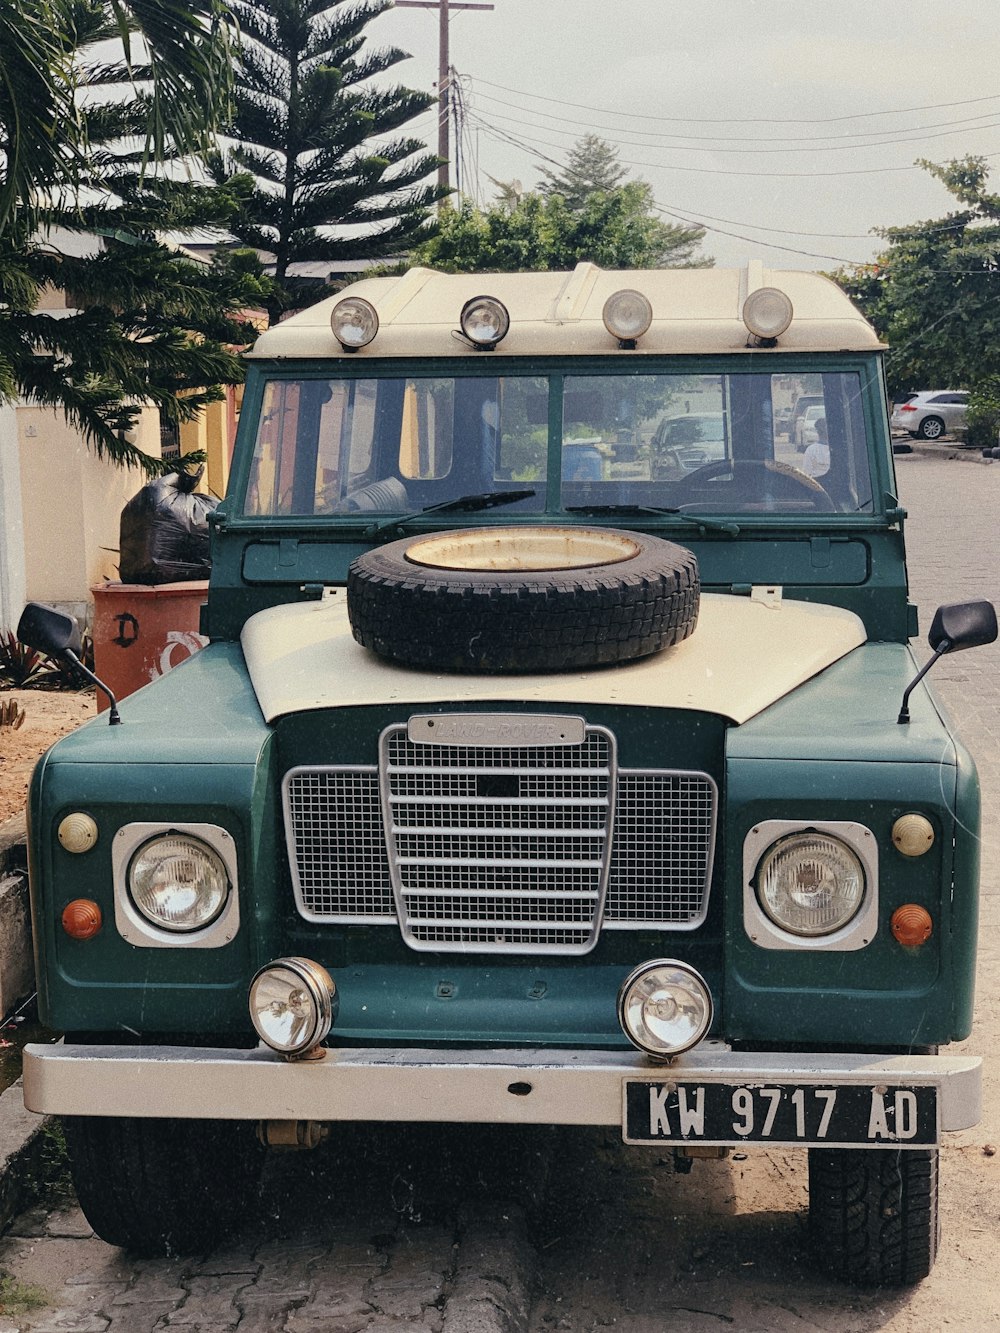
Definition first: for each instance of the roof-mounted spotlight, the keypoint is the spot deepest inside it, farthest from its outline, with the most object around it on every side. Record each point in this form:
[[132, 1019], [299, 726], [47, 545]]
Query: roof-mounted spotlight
[[627, 315], [354, 322], [485, 322], [767, 313]]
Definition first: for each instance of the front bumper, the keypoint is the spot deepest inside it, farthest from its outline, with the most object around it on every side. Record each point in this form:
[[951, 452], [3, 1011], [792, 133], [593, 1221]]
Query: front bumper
[[511, 1086]]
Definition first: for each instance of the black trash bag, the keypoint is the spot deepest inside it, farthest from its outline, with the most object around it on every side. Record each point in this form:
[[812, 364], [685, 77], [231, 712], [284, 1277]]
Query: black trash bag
[[164, 531]]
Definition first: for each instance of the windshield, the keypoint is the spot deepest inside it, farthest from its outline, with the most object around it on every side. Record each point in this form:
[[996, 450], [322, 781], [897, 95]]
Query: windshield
[[737, 443]]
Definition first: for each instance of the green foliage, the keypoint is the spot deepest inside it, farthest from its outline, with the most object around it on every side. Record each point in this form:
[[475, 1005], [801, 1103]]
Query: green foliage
[[592, 167], [17, 1298], [315, 147], [145, 324], [44, 139], [615, 229], [24, 668], [982, 418], [934, 292], [21, 667]]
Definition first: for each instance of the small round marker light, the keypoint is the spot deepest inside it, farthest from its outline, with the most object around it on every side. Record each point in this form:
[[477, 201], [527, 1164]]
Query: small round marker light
[[767, 312], [77, 832], [81, 919], [292, 1005], [354, 322], [913, 835], [484, 321], [664, 1008], [911, 925], [627, 315]]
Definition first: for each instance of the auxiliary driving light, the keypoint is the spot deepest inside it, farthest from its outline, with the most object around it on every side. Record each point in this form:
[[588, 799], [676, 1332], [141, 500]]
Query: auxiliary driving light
[[292, 1004], [354, 322], [484, 321], [627, 315], [767, 312], [664, 1007]]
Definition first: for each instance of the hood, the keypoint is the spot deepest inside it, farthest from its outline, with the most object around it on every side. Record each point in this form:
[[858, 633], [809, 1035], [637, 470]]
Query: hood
[[743, 656]]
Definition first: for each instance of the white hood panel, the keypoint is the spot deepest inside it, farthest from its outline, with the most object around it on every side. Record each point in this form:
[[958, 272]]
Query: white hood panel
[[743, 656]]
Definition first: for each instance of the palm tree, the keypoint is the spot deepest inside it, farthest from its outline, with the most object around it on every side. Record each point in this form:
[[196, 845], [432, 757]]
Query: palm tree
[[41, 132]]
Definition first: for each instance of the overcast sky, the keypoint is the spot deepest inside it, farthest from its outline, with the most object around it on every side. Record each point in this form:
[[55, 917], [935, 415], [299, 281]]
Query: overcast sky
[[698, 94]]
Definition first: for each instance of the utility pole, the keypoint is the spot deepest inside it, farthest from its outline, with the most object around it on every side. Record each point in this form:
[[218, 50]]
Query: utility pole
[[444, 8]]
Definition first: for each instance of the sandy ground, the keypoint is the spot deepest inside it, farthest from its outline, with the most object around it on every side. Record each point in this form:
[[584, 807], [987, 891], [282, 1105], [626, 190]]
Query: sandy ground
[[48, 714]]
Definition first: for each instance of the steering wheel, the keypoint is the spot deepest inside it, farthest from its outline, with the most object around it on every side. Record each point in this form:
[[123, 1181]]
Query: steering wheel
[[754, 479]]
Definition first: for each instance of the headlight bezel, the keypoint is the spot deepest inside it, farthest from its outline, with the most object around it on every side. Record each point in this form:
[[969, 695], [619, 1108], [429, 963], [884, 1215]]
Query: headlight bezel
[[765, 932], [137, 928]]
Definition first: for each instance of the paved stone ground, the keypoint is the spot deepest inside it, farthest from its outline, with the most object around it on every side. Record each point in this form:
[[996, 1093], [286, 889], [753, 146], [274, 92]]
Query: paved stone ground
[[391, 1228], [424, 1230]]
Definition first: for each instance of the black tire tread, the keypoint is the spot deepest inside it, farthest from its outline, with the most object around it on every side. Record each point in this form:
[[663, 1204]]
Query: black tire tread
[[873, 1213], [158, 1187], [546, 621]]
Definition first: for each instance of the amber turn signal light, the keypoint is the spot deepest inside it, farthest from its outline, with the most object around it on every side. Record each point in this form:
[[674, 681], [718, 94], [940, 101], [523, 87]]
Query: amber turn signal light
[[911, 925], [81, 919]]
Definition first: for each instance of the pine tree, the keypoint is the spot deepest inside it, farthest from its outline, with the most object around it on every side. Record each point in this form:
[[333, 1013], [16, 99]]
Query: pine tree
[[332, 178], [592, 166]]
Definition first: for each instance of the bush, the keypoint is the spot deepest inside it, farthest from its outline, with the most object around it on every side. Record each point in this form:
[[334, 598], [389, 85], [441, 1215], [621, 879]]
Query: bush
[[983, 415]]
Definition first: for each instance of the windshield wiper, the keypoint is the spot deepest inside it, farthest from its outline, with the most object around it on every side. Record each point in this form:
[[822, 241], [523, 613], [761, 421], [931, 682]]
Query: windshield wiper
[[468, 504], [698, 520]]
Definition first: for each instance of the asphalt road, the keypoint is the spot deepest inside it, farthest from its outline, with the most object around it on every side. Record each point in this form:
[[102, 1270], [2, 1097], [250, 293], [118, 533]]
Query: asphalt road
[[483, 1231]]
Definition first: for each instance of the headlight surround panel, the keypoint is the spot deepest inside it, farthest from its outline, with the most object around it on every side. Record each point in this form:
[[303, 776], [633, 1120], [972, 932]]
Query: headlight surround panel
[[210, 844], [771, 839]]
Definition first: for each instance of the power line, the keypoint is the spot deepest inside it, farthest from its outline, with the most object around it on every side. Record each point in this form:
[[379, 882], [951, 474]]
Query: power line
[[734, 138], [531, 145], [742, 120], [812, 149]]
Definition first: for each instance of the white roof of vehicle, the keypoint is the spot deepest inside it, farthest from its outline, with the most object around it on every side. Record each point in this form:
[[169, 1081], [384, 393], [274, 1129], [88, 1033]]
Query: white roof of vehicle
[[695, 311]]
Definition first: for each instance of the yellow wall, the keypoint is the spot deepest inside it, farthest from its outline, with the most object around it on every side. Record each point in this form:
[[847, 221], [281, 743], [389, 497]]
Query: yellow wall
[[71, 502], [210, 433]]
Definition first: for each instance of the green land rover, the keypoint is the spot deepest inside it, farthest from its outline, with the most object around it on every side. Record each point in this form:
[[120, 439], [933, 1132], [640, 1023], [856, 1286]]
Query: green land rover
[[547, 764]]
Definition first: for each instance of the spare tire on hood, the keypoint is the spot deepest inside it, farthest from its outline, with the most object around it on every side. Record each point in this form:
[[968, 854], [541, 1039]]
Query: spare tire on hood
[[523, 599]]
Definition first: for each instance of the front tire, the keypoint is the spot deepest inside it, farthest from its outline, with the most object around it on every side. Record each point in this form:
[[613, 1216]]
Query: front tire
[[160, 1187], [873, 1213]]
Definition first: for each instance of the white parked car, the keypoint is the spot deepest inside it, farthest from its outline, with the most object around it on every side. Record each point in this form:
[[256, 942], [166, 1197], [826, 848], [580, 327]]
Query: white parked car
[[808, 434], [931, 413]]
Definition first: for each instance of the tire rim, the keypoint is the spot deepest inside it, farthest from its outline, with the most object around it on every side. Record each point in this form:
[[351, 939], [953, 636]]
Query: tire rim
[[523, 549]]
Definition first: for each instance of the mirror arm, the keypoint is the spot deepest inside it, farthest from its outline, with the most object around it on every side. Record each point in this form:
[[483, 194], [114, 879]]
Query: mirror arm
[[114, 720], [904, 711]]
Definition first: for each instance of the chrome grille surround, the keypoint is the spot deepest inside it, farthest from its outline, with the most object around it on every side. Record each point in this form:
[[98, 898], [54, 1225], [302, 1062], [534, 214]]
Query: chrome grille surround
[[658, 876], [496, 847]]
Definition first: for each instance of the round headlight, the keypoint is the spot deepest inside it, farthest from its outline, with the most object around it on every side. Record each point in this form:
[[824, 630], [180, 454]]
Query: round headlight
[[291, 1004], [627, 314], [810, 883], [178, 882], [484, 320], [767, 312], [354, 322], [664, 1007]]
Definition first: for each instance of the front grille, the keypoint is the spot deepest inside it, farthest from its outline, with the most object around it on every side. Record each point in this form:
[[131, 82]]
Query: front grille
[[469, 865], [509, 871]]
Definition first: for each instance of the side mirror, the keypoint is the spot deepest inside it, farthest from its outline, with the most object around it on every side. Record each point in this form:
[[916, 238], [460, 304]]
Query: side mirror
[[963, 625], [48, 630], [955, 626]]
